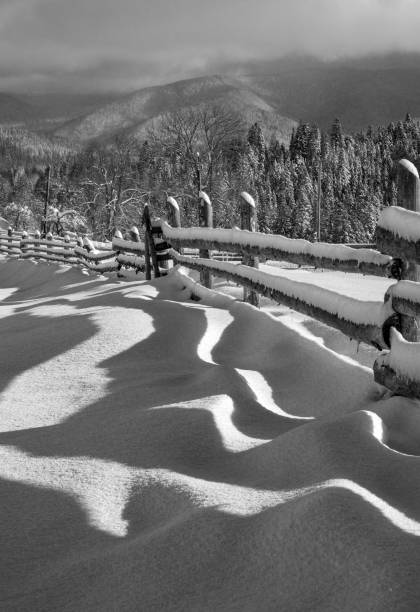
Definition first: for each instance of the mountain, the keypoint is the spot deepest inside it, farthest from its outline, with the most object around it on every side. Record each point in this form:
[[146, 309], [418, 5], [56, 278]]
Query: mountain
[[373, 90], [39, 111], [133, 114], [13, 109]]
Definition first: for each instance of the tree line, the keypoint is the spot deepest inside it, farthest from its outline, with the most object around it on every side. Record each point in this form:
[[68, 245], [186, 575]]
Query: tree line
[[102, 187]]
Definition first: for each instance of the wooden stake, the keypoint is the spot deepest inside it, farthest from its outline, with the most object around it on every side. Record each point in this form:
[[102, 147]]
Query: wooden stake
[[249, 222], [409, 198], [205, 219]]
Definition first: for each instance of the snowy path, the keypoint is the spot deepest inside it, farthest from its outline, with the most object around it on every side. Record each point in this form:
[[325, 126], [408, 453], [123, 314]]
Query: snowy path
[[163, 454]]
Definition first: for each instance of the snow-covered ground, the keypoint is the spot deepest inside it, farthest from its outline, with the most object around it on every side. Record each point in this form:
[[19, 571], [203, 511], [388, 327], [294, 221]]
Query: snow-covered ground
[[158, 453]]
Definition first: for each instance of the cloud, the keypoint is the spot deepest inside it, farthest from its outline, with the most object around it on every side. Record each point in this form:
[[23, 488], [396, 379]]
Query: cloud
[[103, 44]]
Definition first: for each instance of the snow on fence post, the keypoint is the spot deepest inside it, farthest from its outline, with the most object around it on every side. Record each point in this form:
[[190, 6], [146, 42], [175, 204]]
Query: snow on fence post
[[24, 247], [149, 250], [409, 198], [172, 211], [249, 222], [205, 219], [408, 184], [134, 234], [67, 247], [9, 239]]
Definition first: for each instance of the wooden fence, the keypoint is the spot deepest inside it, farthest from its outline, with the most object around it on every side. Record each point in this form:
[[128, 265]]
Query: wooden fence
[[391, 326]]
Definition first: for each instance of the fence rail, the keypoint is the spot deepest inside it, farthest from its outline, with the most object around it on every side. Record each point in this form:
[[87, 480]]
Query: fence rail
[[235, 254]]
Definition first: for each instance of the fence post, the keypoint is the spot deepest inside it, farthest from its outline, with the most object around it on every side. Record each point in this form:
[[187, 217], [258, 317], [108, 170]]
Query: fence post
[[67, 247], [134, 234], [24, 247], [172, 211], [150, 250], [249, 222], [409, 197], [9, 240], [205, 219]]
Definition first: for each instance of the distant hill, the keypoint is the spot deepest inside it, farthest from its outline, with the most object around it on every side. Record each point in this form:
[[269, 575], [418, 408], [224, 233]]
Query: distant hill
[[373, 90], [14, 110], [133, 114]]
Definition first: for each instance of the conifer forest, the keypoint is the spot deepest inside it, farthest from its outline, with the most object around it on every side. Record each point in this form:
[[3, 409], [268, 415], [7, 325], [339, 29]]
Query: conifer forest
[[104, 186]]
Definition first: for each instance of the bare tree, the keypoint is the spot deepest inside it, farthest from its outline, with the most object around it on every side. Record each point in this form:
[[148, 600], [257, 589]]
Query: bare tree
[[199, 136]]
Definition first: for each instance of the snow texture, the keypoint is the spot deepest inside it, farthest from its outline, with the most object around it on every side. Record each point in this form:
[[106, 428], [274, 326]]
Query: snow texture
[[289, 245], [158, 453], [401, 222]]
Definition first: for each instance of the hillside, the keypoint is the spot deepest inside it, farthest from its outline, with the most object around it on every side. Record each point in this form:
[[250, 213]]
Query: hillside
[[361, 92], [135, 113], [14, 110]]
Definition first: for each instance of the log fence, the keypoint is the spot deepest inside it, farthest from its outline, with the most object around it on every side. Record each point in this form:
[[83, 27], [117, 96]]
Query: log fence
[[391, 326]]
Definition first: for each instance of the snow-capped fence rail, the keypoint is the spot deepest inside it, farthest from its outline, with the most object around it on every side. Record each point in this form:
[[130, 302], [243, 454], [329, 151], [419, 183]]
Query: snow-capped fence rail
[[362, 321], [129, 253], [379, 324], [389, 324]]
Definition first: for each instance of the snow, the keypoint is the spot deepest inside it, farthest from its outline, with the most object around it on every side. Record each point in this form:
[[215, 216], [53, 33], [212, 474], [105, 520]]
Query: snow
[[92, 255], [409, 166], [170, 200], [203, 196], [118, 244], [401, 222], [159, 453], [248, 198], [407, 290], [131, 260], [257, 239], [357, 311], [404, 357]]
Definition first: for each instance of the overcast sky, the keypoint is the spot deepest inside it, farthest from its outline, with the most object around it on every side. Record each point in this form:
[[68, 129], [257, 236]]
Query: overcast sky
[[124, 44]]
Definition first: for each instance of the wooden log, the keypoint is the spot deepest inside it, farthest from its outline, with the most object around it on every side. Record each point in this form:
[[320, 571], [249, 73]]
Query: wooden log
[[205, 219], [128, 246], [173, 213], [131, 261], [409, 198], [344, 258], [300, 259], [9, 240], [134, 234], [408, 185], [150, 245], [174, 217], [24, 246], [249, 222], [370, 334], [67, 247], [148, 268], [397, 384]]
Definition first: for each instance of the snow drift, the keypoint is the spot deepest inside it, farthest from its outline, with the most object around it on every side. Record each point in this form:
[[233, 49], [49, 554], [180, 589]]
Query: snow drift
[[159, 453]]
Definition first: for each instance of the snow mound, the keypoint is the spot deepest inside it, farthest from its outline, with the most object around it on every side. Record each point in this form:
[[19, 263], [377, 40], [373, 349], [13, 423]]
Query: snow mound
[[159, 453]]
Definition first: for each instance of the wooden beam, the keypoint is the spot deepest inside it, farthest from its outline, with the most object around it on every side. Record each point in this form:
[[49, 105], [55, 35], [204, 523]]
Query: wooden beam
[[370, 334], [249, 222]]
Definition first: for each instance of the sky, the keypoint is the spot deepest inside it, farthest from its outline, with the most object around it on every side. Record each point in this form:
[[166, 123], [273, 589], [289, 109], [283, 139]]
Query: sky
[[112, 45]]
